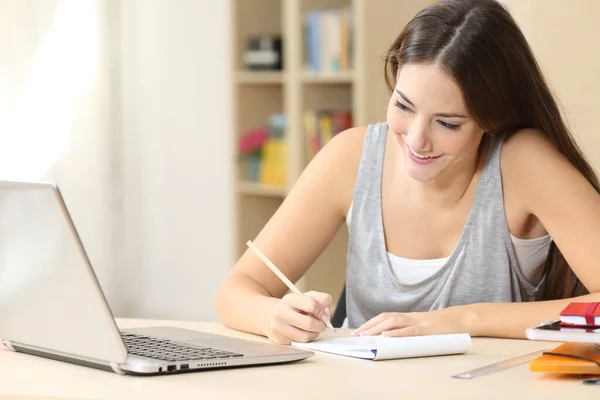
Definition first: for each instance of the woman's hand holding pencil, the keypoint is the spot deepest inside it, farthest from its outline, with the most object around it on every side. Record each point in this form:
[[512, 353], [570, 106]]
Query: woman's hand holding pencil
[[298, 317]]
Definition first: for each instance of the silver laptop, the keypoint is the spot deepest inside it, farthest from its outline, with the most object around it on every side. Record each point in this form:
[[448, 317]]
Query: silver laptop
[[51, 304]]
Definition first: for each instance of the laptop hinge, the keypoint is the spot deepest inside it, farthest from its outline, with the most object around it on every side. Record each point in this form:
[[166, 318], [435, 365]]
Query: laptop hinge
[[117, 368], [57, 355], [8, 344]]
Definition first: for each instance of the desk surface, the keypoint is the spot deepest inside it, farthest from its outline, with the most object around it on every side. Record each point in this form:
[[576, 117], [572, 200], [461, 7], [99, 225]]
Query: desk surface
[[321, 376]]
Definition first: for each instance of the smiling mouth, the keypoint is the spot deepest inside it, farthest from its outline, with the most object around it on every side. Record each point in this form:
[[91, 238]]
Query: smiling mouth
[[419, 156]]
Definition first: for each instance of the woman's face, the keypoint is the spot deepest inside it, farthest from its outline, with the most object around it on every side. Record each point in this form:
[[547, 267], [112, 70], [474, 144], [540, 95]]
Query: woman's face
[[428, 116]]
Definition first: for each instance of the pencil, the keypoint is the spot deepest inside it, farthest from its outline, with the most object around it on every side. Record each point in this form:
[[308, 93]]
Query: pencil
[[280, 275]]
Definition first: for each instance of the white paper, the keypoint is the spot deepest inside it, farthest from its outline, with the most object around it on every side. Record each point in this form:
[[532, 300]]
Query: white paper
[[577, 320], [384, 348]]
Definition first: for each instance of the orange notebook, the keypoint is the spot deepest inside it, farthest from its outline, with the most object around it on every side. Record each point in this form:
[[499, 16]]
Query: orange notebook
[[569, 358]]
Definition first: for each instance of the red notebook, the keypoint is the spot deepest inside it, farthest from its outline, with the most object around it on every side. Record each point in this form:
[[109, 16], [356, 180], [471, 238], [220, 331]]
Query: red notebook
[[581, 314]]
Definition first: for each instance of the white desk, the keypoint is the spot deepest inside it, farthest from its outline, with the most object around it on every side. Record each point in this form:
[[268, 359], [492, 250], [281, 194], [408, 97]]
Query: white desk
[[321, 376]]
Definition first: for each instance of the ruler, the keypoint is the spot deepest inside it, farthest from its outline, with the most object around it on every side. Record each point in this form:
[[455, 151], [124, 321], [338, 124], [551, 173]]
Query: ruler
[[499, 366]]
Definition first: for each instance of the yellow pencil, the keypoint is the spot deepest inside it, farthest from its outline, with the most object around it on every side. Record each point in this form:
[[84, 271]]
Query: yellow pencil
[[280, 275]]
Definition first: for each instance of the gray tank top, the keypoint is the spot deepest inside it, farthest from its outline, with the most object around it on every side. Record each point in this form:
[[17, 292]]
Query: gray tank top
[[482, 267]]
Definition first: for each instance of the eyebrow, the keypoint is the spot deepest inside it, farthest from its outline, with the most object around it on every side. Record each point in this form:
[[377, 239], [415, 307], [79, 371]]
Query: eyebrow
[[445, 115]]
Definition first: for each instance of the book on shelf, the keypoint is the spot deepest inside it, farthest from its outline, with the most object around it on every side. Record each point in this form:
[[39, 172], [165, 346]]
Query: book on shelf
[[273, 169], [321, 126], [328, 40], [264, 152]]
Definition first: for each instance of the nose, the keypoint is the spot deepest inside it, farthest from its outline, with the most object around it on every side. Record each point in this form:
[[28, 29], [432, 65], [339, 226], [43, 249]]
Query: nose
[[417, 136]]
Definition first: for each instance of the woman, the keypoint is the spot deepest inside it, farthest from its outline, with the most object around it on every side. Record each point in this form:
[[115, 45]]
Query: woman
[[470, 210]]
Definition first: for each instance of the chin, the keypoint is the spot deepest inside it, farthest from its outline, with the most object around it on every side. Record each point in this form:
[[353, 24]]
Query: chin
[[422, 174]]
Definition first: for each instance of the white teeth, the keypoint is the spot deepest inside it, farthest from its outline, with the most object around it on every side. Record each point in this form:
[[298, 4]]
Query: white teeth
[[419, 156]]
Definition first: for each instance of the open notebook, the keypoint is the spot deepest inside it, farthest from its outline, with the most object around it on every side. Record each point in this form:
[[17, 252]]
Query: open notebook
[[385, 348]]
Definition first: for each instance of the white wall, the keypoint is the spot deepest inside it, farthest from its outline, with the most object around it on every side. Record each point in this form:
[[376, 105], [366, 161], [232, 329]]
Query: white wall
[[55, 120], [177, 156], [126, 104]]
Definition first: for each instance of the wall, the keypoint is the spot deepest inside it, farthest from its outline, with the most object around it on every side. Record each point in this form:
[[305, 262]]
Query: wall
[[126, 105], [55, 119], [177, 156], [563, 35]]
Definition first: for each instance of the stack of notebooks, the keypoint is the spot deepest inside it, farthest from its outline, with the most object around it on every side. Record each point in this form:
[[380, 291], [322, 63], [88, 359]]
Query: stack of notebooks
[[579, 328]]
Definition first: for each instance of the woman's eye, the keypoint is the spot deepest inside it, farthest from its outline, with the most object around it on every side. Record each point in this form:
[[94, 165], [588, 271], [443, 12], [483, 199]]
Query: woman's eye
[[402, 107], [445, 125], [451, 127]]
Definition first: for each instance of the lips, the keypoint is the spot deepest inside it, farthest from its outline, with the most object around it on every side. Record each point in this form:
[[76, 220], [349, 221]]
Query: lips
[[419, 160]]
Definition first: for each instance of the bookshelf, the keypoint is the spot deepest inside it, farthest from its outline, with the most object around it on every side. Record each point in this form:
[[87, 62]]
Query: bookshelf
[[296, 89], [254, 78]]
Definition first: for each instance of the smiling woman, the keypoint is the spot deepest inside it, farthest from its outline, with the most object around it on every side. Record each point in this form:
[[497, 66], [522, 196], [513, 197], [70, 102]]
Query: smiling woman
[[457, 204]]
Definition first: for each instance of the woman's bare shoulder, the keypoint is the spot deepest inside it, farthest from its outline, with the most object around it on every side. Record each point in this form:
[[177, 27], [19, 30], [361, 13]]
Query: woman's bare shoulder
[[530, 165], [340, 158], [523, 149], [349, 143]]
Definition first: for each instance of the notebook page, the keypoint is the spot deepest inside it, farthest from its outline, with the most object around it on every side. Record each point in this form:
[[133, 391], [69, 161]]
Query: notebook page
[[359, 347], [383, 348], [421, 346]]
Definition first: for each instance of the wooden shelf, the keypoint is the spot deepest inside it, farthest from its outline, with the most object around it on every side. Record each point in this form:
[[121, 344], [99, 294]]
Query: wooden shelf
[[260, 94], [259, 77], [275, 78], [253, 188], [325, 78]]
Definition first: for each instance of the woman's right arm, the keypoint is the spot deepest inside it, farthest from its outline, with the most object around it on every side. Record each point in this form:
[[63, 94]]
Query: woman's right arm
[[250, 298]]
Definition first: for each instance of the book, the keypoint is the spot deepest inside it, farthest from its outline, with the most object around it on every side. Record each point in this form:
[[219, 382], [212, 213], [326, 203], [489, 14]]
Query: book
[[328, 40], [321, 126], [386, 348], [581, 314], [569, 358], [273, 170], [559, 333]]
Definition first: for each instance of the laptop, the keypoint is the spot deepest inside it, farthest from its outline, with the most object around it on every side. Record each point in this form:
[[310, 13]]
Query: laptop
[[51, 304]]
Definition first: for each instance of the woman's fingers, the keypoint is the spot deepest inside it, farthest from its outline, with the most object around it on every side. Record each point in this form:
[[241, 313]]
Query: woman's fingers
[[285, 333], [403, 332], [305, 322], [382, 323], [324, 300], [297, 318], [369, 324], [312, 303]]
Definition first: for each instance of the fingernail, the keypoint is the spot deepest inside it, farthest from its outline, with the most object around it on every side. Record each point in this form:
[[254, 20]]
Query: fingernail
[[325, 319], [327, 312]]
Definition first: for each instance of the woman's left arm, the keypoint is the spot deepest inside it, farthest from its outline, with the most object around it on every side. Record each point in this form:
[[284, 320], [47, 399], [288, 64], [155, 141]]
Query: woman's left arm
[[568, 207]]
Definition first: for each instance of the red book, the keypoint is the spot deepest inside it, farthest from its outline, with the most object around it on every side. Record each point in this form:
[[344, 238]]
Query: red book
[[581, 314]]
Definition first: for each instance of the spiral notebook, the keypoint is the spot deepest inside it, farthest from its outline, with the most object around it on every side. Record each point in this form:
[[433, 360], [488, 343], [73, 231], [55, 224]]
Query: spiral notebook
[[386, 348]]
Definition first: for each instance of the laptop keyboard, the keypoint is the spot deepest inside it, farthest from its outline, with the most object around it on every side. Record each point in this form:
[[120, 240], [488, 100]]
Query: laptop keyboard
[[165, 350]]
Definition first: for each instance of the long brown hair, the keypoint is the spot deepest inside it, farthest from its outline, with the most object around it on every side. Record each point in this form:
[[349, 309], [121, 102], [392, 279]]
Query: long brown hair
[[478, 43]]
